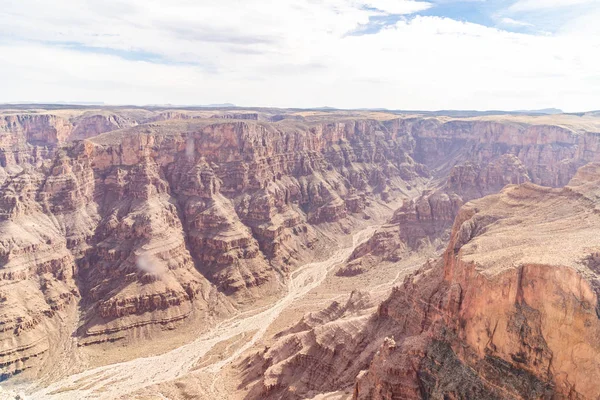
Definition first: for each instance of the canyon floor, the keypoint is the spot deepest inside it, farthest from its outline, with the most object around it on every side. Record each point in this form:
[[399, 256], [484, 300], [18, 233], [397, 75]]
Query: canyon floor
[[206, 362], [208, 355]]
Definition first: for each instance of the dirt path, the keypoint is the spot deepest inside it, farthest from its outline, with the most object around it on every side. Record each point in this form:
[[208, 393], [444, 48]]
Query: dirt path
[[111, 381]]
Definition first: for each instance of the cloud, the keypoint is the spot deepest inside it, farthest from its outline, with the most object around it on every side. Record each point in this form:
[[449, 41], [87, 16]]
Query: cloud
[[294, 53], [151, 265], [397, 7], [514, 22], [534, 5]]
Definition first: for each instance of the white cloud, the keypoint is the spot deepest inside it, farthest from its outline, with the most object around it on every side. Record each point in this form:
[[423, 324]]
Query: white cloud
[[533, 5], [395, 6], [514, 22], [294, 53], [584, 26]]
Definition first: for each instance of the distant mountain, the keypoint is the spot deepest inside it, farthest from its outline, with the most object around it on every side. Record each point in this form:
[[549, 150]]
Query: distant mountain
[[325, 108], [61, 103], [220, 105], [451, 113], [223, 105], [81, 103], [542, 111], [477, 113]]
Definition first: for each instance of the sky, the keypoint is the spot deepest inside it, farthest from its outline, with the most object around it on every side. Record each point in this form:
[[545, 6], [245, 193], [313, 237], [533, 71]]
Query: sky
[[395, 54]]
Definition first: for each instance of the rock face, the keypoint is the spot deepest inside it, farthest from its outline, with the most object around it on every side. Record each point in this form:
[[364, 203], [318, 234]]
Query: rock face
[[245, 116], [510, 311], [47, 217], [168, 222], [139, 270], [426, 220], [476, 158], [226, 251], [90, 125], [550, 153], [514, 309], [434, 212], [116, 224], [307, 357], [47, 129]]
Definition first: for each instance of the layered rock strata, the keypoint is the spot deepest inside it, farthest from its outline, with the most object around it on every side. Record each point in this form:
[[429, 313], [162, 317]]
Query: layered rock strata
[[170, 217], [510, 311], [171, 221], [424, 222], [513, 309]]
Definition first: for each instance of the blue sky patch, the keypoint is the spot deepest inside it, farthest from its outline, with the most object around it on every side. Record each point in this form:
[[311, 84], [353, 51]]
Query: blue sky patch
[[478, 12], [490, 13]]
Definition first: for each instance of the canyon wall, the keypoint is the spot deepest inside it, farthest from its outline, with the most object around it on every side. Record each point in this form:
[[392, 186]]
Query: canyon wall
[[474, 159], [510, 311], [514, 309], [115, 225], [166, 223]]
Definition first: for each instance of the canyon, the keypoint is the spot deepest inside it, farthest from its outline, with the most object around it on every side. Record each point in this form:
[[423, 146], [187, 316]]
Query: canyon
[[264, 253]]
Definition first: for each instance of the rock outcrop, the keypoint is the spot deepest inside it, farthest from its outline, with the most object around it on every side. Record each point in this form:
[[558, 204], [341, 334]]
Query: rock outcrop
[[514, 309], [307, 359], [510, 311], [139, 270], [425, 222], [224, 248]]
